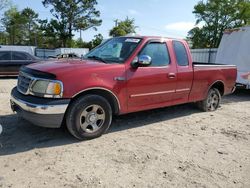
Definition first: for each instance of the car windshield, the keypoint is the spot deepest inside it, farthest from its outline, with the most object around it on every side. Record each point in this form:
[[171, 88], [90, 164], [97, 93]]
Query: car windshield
[[114, 50]]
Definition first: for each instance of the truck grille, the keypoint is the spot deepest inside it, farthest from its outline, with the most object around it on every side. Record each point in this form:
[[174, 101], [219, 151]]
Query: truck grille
[[23, 83]]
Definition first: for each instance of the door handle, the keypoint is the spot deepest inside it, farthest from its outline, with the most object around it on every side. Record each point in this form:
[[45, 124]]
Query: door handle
[[171, 75]]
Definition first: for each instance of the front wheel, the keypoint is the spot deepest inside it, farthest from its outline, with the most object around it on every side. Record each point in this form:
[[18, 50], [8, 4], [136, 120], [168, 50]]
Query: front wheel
[[89, 117], [212, 102]]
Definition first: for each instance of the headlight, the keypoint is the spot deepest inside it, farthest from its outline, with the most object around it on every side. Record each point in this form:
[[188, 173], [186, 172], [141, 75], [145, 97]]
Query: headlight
[[47, 88]]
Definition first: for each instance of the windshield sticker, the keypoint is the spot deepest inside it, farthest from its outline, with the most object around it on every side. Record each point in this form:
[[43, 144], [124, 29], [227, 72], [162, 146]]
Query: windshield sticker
[[132, 40]]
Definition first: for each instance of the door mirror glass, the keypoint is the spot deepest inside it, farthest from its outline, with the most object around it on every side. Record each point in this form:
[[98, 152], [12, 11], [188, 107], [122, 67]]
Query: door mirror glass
[[141, 61], [144, 60]]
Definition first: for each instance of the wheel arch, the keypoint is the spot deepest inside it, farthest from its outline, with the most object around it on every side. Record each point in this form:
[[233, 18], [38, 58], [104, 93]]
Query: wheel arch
[[219, 84], [106, 93]]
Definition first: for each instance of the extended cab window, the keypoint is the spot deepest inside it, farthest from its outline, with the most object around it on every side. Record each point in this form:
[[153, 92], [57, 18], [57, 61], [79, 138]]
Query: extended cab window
[[158, 52], [181, 53]]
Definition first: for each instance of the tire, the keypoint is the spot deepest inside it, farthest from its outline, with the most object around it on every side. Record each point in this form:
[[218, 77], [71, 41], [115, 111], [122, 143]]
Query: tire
[[89, 117], [212, 102]]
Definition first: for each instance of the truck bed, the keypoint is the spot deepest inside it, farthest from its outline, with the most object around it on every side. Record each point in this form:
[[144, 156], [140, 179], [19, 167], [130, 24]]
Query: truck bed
[[202, 79]]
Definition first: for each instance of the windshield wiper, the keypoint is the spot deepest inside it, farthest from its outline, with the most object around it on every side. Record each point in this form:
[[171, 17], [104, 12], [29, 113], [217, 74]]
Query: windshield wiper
[[97, 58]]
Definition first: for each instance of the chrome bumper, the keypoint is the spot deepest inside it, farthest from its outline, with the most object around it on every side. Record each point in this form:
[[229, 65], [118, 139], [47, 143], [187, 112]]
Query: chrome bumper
[[39, 108], [39, 111]]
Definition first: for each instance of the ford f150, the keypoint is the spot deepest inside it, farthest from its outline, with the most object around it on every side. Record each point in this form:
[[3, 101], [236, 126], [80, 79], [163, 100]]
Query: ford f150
[[122, 75]]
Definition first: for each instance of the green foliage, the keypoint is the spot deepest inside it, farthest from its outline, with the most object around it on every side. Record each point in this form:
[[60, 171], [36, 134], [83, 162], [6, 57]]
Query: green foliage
[[123, 28], [216, 16], [30, 19], [3, 37], [20, 27], [97, 40], [14, 26], [92, 44], [54, 33], [73, 15], [25, 28]]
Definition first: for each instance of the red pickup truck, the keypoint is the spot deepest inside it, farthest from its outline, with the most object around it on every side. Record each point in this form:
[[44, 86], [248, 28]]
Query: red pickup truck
[[122, 75]]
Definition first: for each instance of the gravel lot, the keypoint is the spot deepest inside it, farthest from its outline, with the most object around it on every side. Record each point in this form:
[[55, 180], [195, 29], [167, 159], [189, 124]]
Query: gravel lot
[[170, 147]]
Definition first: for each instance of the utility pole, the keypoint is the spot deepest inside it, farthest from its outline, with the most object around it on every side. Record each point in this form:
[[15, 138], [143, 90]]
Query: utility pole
[[80, 34], [116, 22]]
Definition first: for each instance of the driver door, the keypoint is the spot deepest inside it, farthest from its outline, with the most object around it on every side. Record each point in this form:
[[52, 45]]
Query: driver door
[[152, 86]]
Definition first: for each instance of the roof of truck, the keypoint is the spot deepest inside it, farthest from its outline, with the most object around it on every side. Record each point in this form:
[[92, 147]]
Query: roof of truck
[[151, 37]]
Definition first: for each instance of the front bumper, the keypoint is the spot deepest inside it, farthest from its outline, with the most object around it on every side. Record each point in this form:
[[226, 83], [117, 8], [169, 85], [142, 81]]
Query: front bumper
[[43, 112]]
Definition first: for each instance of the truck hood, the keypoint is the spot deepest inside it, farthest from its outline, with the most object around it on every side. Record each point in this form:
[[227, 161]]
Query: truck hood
[[61, 67], [78, 75]]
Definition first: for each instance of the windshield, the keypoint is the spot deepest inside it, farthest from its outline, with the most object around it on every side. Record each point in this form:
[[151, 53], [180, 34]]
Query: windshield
[[114, 50]]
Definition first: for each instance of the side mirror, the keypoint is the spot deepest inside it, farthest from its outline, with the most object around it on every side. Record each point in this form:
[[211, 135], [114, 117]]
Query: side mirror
[[141, 61]]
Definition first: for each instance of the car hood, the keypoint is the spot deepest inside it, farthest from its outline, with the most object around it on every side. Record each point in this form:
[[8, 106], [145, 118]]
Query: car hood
[[61, 67]]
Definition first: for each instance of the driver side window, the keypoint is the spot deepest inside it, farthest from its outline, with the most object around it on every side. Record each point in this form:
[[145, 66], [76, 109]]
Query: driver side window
[[158, 53]]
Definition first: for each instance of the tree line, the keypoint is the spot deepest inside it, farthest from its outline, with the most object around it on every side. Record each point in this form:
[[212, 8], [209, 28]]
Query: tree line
[[215, 16], [24, 27]]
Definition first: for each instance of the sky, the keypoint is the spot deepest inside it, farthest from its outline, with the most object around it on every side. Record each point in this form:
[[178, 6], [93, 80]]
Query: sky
[[153, 17]]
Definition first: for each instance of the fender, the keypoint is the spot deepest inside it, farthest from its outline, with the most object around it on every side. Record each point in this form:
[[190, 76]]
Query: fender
[[99, 88]]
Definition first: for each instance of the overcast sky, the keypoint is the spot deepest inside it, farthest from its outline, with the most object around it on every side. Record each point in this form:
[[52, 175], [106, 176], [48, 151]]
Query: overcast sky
[[153, 17]]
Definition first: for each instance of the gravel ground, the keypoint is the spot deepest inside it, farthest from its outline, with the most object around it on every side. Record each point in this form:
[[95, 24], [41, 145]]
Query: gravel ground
[[170, 147]]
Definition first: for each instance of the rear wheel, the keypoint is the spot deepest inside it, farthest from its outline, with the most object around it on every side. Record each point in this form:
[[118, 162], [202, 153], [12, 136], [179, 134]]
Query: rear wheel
[[212, 102], [89, 117]]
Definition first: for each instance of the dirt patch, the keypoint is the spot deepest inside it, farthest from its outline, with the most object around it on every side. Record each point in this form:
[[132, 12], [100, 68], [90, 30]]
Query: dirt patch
[[169, 147]]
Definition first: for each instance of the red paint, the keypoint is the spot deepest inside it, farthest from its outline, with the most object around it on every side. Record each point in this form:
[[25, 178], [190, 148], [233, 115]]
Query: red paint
[[145, 87]]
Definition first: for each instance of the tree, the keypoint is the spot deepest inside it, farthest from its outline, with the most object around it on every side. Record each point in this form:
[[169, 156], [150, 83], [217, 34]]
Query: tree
[[30, 19], [54, 33], [199, 37], [3, 37], [97, 40], [92, 44], [76, 14], [216, 16], [20, 26], [13, 24], [123, 27]]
